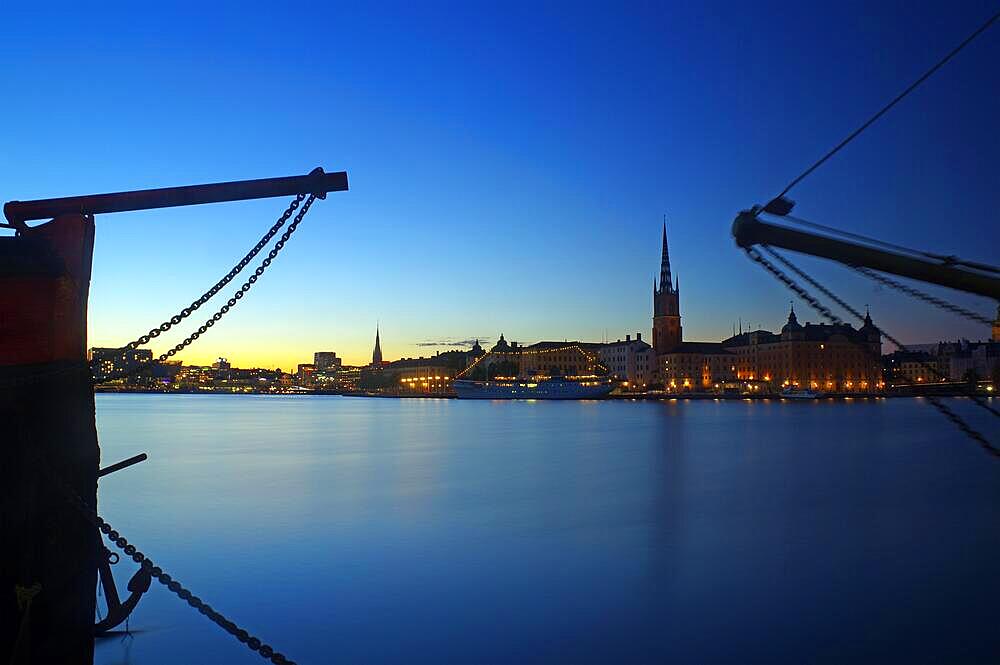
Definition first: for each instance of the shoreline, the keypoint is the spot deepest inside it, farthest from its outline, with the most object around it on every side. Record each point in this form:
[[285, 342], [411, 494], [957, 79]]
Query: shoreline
[[622, 397]]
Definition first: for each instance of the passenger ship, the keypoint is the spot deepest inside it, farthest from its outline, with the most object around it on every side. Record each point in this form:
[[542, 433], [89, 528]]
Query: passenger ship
[[556, 387]]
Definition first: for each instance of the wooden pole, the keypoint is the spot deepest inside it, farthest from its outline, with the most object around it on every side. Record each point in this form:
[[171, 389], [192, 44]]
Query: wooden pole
[[48, 575], [748, 230]]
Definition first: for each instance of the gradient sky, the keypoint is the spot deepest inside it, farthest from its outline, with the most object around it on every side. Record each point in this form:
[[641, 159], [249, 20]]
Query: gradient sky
[[510, 164]]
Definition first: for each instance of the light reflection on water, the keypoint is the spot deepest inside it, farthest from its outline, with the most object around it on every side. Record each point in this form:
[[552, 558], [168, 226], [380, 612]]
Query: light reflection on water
[[379, 530]]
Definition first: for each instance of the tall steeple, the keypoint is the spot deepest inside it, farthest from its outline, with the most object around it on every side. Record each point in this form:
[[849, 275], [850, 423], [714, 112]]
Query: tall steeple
[[377, 353], [666, 281], [666, 305]]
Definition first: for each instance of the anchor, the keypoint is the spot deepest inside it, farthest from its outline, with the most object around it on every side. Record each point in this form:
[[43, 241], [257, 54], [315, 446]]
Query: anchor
[[118, 611]]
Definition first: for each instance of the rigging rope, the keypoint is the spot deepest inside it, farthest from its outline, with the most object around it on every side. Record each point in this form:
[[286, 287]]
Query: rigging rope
[[920, 295], [989, 22], [825, 311], [944, 259], [979, 401]]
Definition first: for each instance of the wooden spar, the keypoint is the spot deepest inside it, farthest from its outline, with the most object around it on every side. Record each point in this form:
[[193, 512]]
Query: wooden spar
[[49, 561], [749, 230], [317, 182]]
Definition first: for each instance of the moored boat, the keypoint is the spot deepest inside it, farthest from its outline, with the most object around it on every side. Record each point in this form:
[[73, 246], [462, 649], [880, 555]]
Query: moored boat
[[535, 388], [795, 393]]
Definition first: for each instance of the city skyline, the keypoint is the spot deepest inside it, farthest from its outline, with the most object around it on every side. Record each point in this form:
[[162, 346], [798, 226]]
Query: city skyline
[[509, 170]]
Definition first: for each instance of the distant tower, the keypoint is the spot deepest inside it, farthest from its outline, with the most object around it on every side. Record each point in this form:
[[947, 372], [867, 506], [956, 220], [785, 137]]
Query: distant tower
[[666, 305], [377, 353]]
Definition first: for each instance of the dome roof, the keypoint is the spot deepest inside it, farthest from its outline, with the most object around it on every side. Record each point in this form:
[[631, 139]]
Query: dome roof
[[793, 323], [501, 345]]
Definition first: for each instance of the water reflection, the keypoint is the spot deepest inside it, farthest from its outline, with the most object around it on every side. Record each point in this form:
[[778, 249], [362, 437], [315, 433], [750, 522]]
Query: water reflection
[[354, 530]]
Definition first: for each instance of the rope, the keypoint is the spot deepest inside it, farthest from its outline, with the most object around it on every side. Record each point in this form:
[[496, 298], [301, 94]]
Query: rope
[[920, 295], [813, 302], [913, 86], [979, 401]]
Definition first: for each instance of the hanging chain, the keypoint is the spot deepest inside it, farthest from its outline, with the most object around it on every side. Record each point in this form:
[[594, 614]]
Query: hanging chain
[[237, 296], [43, 375], [253, 643], [833, 318], [920, 295], [193, 307]]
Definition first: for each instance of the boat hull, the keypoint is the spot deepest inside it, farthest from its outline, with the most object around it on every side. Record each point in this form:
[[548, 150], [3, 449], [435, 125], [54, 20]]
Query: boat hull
[[516, 389]]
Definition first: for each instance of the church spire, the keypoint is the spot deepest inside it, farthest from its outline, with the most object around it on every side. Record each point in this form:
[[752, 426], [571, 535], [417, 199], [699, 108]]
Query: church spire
[[666, 282], [377, 353]]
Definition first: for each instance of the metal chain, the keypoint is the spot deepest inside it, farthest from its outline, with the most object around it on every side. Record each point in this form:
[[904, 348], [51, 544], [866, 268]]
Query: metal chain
[[833, 318], [266, 651], [193, 307], [43, 375], [237, 296], [920, 295], [978, 400]]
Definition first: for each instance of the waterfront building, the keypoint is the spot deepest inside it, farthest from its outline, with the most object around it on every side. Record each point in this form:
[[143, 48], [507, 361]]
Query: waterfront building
[[427, 376], [342, 378], [975, 361], [304, 373], [324, 360], [632, 361], [820, 356], [960, 361], [110, 361], [698, 366], [834, 358]]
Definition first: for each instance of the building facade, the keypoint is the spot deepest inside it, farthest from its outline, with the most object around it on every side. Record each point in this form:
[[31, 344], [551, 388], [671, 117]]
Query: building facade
[[631, 361], [826, 357], [108, 362], [324, 360], [833, 358]]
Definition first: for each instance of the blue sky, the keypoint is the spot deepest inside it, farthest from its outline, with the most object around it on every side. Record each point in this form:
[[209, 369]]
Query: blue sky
[[510, 164]]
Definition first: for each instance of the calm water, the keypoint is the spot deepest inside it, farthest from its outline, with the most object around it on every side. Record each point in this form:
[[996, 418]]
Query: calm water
[[375, 530]]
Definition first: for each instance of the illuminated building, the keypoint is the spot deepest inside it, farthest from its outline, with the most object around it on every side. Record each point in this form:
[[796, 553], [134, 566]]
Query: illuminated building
[[427, 376], [304, 373], [632, 361], [697, 366], [108, 361], [818, 356], [961, 361], [831, 358], [996, 326], [324, 360]]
